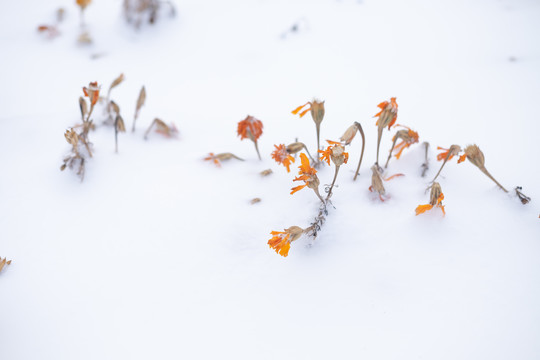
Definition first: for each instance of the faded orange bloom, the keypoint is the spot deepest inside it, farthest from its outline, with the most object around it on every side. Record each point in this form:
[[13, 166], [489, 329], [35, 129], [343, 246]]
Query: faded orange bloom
[[281, 240], [388, 114], [83, 3], [250, 128], [335, 152], [92, 92], [450, 153], [217, 158], [307, 174], [315, 106], [436, 198], [282, 156], [408, 136]]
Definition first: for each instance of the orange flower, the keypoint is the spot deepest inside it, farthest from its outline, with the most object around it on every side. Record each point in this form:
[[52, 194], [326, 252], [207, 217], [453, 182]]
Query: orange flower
[[92, 92], [282, 156], [317, 110], [388, 113], [450, 153], [307, 174], [281, 240], [408, 136], [336, 152], [436, 198], [212, 157], [250, 128]]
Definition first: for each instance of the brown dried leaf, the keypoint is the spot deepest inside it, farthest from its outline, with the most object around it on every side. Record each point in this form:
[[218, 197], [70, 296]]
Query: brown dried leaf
[[141, 99], [266, 172], [83, 106], [255, 201], [117, 81], [120, 126]]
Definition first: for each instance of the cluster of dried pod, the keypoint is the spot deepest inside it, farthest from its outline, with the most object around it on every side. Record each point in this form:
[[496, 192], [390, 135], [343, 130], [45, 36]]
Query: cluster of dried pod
[[78, 135], [251, 128], [4, 262]]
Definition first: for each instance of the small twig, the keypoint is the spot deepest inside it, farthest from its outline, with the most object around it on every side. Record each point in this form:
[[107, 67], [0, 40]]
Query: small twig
[[425, 165], [524, 199], [363, 147]]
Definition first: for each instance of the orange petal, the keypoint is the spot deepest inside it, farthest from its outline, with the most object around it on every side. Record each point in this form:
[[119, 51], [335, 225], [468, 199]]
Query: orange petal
[[462, 158], [420, 209], [295, 111]]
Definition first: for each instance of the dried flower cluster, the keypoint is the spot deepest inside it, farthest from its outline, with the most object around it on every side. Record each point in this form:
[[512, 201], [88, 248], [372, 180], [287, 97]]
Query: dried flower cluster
[[138, 12], [78, 135]]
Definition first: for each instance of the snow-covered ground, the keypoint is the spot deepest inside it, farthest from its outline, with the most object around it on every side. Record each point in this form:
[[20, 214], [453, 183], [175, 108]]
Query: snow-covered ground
[[158, 254]]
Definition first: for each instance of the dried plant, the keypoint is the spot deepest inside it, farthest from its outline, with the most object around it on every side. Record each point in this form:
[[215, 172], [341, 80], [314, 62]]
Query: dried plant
[[109, 110], [522, 197], [336, 153], [140, 102], [52, 30], [281, 240], [119, 126], [408, 137], [348, 136], [435, 199], [282, 156], [84, 36], [447, 155], [169, 131], [476, 157], [425, 165], [217, 158], [377, 181], [255, 201], [266, 172], [296, 147], [251, 128], [309, 176], [75, 159], [3, 263], [316, 108], [386, 117], [139, 11]]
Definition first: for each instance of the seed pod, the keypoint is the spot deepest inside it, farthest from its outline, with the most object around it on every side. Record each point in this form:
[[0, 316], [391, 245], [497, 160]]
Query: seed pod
[[295, 147], [435, 193], [295, 232], [349, 134]]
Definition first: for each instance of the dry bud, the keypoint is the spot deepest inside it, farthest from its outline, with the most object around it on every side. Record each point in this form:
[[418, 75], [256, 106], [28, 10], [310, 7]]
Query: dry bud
[[476, 156], [377, 182], [435, 200], [4, 262], [84, 107], [116, 82], [266, 172], [71, 137], [281, 240], [92, 92], [255, 201], [295, 147], [349, 134]]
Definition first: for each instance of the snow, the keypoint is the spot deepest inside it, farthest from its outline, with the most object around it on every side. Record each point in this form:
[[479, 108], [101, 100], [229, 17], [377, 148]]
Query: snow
[[158, 254]]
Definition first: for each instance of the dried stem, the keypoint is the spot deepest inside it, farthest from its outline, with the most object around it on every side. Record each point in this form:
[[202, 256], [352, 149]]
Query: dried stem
[[524, 198], [257, 148], [444, 162], [318, 126], [484, 170], [379, 136], [363, 147], [425, 165], [332, 186], [392, 149]]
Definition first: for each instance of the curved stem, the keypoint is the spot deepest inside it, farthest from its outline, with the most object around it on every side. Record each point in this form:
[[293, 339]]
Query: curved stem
[[363, 147], [311, 157], [379, 136], [392, 149], [445, 160], [332, 186], [319, 195]]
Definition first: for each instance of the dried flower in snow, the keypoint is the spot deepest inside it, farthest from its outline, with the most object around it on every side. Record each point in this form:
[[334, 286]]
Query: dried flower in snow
[[377, 181], [476, 157], [386, 117], [169, 131], [296, 147], [140, 102], [266, 172], [447, 155], [335, 152], [522, 197], [408, 138], [308, 175], [281, 156], [255, 201], [251, 128], [316, 108], [217, 158], [83, 3], [349, 135], [92, 92], [4, 262], [281, 240], [435, 199]]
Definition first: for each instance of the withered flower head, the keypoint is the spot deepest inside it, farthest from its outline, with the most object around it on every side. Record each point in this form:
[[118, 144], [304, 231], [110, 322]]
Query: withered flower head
[[335, 152], [72, 137], [250, 128], [92, 92], [308, 175], [377, 182], [281, 156], [216, 158], [349, 134], [408, 136], [448, 154], [295, 147], [435, 199], [388, 114], [316, 108], [475, 155], [281, 240]]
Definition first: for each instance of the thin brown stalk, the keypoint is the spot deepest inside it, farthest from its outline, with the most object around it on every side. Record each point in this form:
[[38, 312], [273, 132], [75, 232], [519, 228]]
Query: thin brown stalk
[[392, 149], [363, 147], [425, 165], [257, 149], [484, 170]]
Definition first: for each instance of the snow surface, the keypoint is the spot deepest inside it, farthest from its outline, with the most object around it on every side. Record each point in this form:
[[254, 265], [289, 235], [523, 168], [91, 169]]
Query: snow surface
[[158, 254]]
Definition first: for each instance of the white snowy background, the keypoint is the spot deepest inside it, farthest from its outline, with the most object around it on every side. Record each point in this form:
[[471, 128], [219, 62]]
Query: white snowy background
[[159, 255]]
